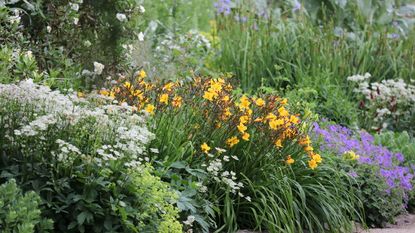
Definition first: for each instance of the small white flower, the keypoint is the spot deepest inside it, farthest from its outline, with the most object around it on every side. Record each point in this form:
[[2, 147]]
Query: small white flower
[[75, 21], [87, 43], [203, 189], [98, 68], [141, 9], [74, 6], [220, 150], [121, 17], [190, 220], [29, 54], [48, 29], [154, 150], [86, 73], [141, 36]]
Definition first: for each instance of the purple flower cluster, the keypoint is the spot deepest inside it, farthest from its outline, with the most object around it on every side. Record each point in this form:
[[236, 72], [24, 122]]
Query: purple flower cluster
[[341, 139], [223, 7], [296, 6]]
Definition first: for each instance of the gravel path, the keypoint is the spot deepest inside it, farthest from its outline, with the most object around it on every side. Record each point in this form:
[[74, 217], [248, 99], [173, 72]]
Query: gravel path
[[404, 224]]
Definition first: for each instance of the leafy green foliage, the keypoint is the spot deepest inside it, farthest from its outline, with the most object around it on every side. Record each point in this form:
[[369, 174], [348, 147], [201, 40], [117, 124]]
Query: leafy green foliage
[[401, 142], [325, 100], [66, 37], [380, 207], [358, 14], [88, 179], [20, 212]]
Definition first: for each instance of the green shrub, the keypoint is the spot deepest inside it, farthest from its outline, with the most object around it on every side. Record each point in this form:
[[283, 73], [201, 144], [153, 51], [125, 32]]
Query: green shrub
[[20, 213], [86, 160], [67, 37], [326, 100]]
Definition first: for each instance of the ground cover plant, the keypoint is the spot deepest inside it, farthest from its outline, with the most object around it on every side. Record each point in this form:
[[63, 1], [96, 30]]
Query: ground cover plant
[[382, 177], [205, 115], [20, 212]]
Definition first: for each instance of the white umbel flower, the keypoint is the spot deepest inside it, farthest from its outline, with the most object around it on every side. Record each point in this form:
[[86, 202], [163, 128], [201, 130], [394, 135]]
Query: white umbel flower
[[98, 68], [121, 17], [141, 36], [141, 9]]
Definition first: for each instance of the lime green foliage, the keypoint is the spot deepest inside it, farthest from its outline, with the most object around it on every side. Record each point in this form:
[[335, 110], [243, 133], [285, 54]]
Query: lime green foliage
[[20, 213], [325, 100], [399, 142]]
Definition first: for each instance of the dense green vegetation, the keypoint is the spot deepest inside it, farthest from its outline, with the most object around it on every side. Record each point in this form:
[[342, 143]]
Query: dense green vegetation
[[206, 115]]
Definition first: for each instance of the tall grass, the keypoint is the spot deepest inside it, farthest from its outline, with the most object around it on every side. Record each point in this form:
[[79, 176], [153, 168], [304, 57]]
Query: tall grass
[[296, 52], [180, 16]]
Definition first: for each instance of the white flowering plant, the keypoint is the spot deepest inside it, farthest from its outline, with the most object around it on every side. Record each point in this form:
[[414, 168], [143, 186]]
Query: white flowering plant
[[389, 104], [68, 36], [85, 158]]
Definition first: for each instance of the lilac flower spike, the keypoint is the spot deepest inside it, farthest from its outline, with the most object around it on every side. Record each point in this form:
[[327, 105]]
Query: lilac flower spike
[[223, 7], [296, 6]]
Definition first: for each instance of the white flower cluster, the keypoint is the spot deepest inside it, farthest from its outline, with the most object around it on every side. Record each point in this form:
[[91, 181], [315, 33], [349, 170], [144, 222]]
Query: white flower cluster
[[359, 78], [74, 7], [98, 68], [388, 98], [193, 41], [215, 168], [121, 17], [16, 18], [36, 127], [67, 152], [121, 132], [189, 221]]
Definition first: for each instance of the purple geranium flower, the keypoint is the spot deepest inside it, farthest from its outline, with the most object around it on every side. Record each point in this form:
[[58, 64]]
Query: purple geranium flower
[[223, 7], [340, 139]]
